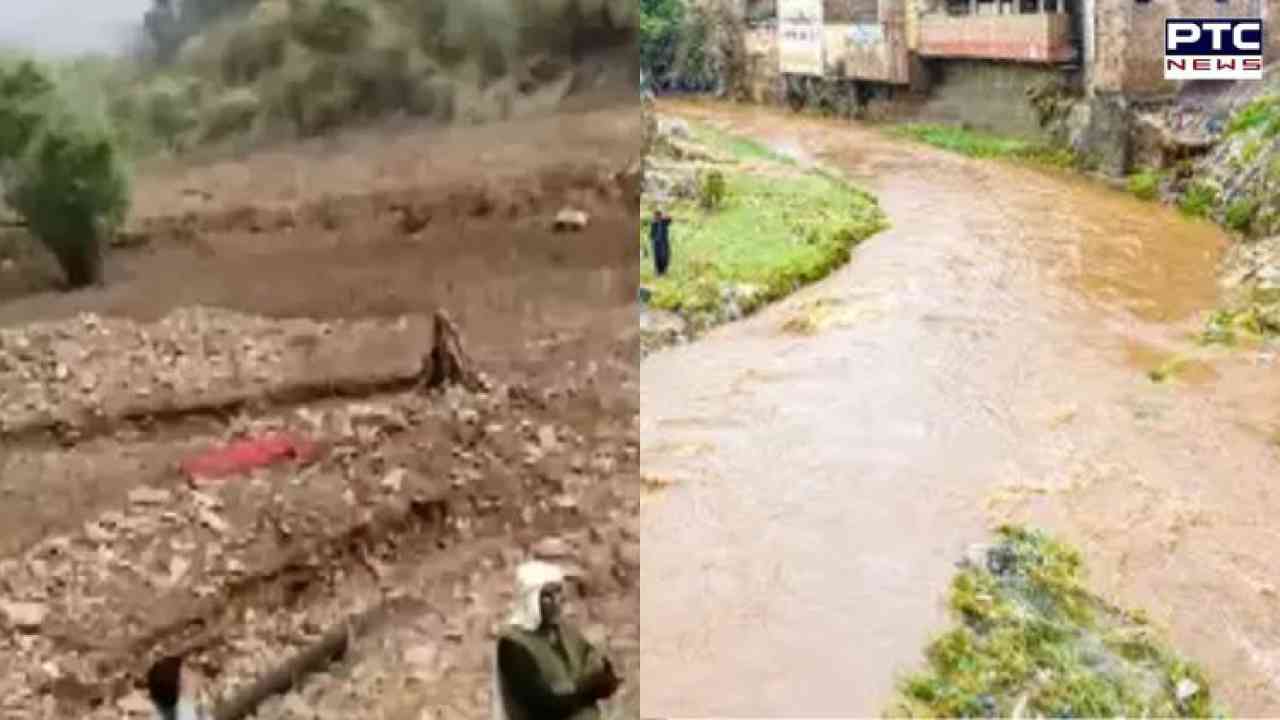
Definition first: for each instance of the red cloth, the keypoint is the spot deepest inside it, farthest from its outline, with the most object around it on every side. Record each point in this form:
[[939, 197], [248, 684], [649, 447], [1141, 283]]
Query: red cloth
[[244, 455]]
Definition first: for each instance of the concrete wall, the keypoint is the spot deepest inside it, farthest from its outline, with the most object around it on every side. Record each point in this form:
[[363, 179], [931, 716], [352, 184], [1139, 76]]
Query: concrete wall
[[873, 49], [853, 11], [987, 96], [763, 75], [1025, 38]]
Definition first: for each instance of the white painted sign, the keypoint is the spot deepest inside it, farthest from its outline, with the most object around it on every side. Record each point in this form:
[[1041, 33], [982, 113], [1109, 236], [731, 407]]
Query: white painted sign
[[800, 37]]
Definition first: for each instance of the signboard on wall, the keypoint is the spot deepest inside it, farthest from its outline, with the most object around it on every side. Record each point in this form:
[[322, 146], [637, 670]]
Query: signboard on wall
[[800, 37]]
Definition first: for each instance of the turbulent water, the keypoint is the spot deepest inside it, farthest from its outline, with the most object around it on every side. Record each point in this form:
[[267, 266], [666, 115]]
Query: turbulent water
[[984, 360]]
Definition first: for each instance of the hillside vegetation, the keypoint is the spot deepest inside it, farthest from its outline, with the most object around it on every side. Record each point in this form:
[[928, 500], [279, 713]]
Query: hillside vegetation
[[233, 73], [60, 169], [214, 70]]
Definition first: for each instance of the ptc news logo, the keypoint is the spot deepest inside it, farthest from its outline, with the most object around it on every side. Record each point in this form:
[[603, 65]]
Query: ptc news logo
[[1213, 49]]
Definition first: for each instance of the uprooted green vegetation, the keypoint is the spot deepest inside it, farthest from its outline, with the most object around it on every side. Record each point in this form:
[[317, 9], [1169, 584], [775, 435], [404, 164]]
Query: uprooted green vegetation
[[1034, 642], [1168, 369], [1254, 319], [777, 227], [983, 145]]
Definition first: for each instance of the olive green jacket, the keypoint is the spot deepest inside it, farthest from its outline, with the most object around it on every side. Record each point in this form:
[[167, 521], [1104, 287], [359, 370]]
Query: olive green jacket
[[560, 668]]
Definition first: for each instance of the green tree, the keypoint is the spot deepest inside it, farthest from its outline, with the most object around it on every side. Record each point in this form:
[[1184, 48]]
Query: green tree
[[660, 23], [23, 89], [61, 171]]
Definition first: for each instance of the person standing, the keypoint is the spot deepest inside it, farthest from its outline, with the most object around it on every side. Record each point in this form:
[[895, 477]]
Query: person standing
[[545, 669], [174, 691], [660, 237]]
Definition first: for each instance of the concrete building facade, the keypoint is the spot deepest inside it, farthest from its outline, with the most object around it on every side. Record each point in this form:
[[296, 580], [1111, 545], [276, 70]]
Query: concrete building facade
[[1108, 46]]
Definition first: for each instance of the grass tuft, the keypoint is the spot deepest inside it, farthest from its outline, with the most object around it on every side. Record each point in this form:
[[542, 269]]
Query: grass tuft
[[1145, 184], [1034, 642], [983, 145], [776, 228], [1199, 200]]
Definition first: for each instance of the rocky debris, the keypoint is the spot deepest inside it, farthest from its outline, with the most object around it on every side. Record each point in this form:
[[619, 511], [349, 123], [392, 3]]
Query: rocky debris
[[673, 128], [666, 181], [119, 575], [26, 617], [571, 220], [1252, 266], [94, 367], [552, 548], [145, 495], [659, 329], [1161, 139]]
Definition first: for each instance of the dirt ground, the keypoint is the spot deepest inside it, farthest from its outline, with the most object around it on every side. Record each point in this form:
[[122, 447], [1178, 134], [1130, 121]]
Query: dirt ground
[[293, 290]]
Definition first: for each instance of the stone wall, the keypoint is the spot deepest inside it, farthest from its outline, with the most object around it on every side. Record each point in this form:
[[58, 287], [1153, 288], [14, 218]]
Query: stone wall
[[988, 96]]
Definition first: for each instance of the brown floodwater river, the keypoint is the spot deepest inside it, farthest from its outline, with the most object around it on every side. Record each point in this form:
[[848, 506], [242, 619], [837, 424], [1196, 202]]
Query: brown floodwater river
[[983, 361]]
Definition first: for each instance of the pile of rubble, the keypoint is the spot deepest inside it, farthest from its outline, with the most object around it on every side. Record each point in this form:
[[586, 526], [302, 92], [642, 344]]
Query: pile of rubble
[[266, 564], [94, 367]]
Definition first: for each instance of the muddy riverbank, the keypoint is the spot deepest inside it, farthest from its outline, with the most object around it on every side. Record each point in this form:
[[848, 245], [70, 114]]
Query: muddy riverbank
[[990, 364]]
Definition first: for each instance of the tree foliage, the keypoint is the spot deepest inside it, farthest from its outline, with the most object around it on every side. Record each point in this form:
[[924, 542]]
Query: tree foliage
[[170, 23], [690, 46], [61, 170], [23, 88], [660, 25]]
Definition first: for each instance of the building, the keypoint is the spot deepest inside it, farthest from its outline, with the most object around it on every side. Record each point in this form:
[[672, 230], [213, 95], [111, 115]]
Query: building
[[1109, 46]]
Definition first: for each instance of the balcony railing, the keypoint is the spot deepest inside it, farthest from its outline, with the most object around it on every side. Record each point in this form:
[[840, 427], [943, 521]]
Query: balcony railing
[[1042, 37]]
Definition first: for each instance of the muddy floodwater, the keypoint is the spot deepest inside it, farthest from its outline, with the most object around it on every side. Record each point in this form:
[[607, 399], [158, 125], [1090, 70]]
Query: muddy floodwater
[[984, 360]]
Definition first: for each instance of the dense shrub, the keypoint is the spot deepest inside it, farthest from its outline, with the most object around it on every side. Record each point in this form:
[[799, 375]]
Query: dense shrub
[[332, 26], [233, 112], [315, 65], [1145, 184], [24, 88], [1240, 214], [168, 109], [660, 23], [61, 170], [1199, 200], [712, 193], [693, 46]]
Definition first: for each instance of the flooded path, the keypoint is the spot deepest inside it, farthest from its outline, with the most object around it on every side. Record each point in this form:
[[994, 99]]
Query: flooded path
[[989, 365]]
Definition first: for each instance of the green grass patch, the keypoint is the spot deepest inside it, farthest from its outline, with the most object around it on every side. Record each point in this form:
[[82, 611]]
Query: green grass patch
[[1199, 200], [984, 145], [1240, 214], [1145, 184], [776, 228], [1034, 642], [1251, 150], [739, 148], [1261, 113]]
